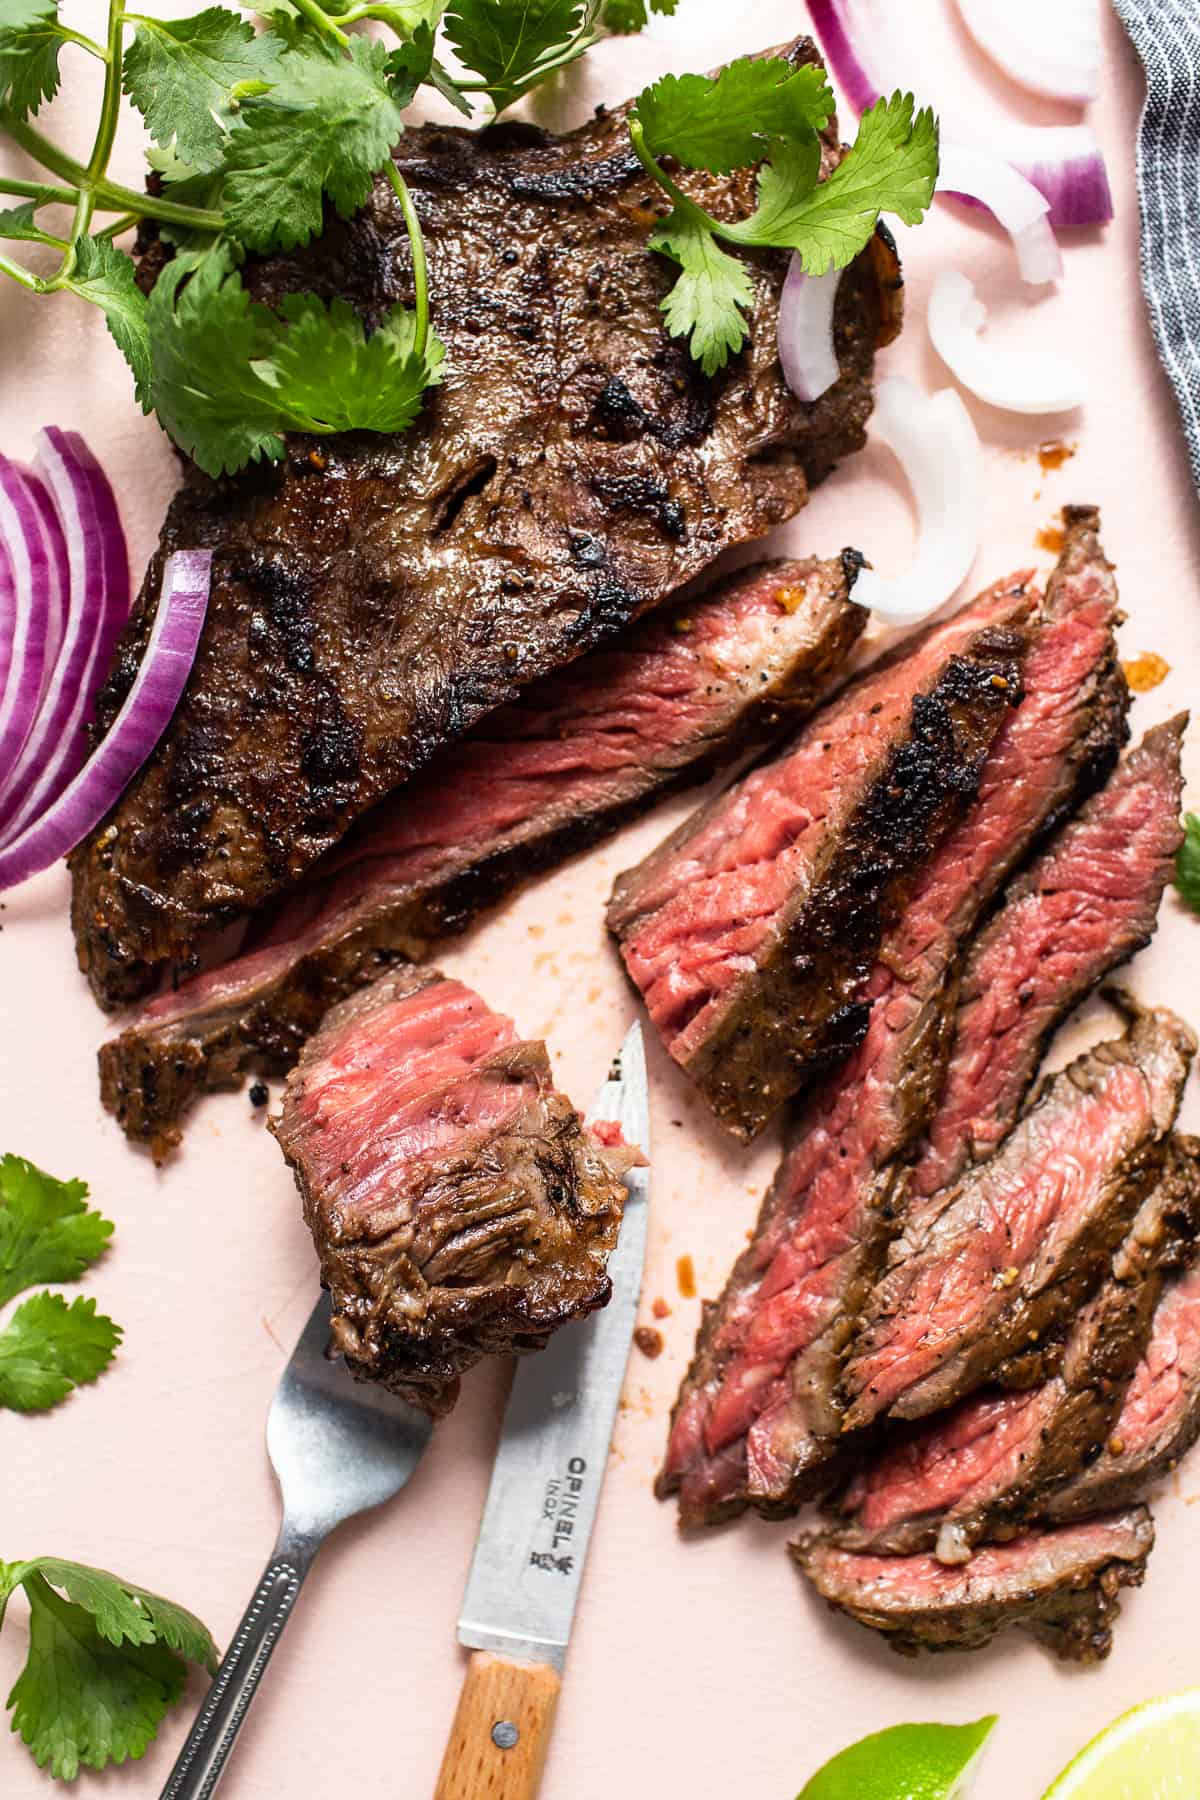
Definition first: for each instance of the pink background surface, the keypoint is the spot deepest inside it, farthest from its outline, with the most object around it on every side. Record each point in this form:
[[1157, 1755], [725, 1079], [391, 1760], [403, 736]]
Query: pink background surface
[[701, 1668]]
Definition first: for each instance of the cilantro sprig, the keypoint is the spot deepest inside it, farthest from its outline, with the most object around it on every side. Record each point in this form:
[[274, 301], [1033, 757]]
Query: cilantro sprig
[[106, 1662], [1187, 862], [762, 110]]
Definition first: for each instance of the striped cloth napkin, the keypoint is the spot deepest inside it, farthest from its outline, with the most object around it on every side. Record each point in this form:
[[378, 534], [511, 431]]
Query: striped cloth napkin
[[1166, 34]]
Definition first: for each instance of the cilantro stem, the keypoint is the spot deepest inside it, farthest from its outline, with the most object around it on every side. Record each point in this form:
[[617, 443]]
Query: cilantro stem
[[420, 272], [655, 169], [34, 283], [114, 230], [110, 195], [110, 106], [37, 190], [316, 15], [85, 43]]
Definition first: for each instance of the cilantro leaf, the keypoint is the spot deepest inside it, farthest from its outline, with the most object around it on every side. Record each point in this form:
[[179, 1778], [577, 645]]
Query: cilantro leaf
[[705, 304], [20, 222], [507, 42], [181, 76], [327, 125], [891, 167], [29, 47], [231, 376], [729, 121], [1187, 863], [47, 1348], [47, 1230], [410, 65], [103, 1666], [626, 16], [105, 276]]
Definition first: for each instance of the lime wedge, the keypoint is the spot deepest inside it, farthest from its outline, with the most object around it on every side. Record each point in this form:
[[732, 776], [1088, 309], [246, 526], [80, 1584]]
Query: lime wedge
[[1151, 1753], [909, 1762]]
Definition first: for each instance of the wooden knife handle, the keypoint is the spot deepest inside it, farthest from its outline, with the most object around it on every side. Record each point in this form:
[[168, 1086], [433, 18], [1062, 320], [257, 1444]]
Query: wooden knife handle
[[501, 1731]]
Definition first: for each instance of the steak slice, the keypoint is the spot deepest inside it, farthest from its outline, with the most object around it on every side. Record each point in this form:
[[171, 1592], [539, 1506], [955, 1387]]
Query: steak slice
[[1159, 1419], [1022, 1240], [996, 1459], [373, 596], [459, 1205], [1087, 904], [751, 932], [757, 1417], [1061, 1584], [574, 757]]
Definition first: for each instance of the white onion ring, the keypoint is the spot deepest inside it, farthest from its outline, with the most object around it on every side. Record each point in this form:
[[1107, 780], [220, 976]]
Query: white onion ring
[[1021, 380], [805, 331], [1062, 62], [936, 444], [1015, 203]]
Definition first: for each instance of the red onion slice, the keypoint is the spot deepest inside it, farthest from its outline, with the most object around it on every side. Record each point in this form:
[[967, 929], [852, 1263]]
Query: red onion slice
[[1060, 59], [1016, 204], [1018, 380], [1064, 162], [805, 331], [33, 575], [151, 700], [97, 602], [937, 446]]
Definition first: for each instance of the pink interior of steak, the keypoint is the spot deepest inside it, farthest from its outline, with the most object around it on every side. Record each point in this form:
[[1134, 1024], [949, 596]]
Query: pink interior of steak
[[1088, 902], [1167, 1376], [703, 911], [362, 1126], [1005, 1235]]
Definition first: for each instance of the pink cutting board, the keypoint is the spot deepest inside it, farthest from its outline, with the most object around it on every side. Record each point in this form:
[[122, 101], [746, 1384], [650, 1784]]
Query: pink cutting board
[[702, 1668]]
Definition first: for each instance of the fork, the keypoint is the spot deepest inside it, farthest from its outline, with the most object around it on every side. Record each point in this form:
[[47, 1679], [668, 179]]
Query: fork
[[338, 1446]]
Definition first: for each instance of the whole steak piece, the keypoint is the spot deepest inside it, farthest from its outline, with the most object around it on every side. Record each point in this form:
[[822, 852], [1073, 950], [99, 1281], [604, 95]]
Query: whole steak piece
[[752, 931], [572, 758], [758, 1420], [1060, 1584], [373, 596], [1010, 1253], [459, 1205]]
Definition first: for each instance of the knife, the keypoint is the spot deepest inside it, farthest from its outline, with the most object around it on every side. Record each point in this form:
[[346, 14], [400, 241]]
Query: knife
[[537, 1522]]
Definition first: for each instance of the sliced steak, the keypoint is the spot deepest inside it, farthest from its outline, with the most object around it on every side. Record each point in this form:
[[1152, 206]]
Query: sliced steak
[[1023, 1239], [569, 761], [1159, 1419], [996, 1459], [1061, 1584], [458, 1203], [751, 933], [374, 596], [1089, 903], [757, 1417]]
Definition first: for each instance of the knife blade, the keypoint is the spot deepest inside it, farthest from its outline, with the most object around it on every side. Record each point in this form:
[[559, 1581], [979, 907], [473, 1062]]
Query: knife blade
[[527, 1569]]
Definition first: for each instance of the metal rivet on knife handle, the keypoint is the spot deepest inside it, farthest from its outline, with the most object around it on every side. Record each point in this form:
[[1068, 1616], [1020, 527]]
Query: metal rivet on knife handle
[[504, 1734]]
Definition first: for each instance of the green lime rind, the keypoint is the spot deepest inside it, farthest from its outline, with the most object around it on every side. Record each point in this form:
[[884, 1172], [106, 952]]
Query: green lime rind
[[907, 1762], [1152, 1751]]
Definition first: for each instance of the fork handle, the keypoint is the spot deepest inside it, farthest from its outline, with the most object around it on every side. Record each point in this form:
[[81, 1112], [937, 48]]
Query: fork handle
[[501, 1731], [201, 1762]]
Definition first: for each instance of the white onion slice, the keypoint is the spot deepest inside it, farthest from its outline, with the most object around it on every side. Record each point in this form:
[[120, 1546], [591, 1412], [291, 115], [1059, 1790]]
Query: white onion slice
[[1056, 54], [1016, 204], [160, 680], [936, 444], [97, 601], [805, 331], [1064, 162], [1023, 381]]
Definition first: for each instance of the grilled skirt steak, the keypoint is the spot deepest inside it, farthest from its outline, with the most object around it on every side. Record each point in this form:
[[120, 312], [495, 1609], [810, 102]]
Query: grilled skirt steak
[[1060, 1584], [757, 1417], [372, 597], [458, 1203], [997, 1458], [1085, 906], [1159, 1420], [751, 932], [1009, 1253], [569, 761]]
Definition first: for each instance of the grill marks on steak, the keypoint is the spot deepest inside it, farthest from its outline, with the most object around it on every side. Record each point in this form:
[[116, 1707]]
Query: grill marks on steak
[[458, 1203], [1085, 906], [997, 1457], [1061, 1584], [1159, 1419], [752, 931], [373, 597], [758, 1415], [571, 759], [1014, 1248]]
